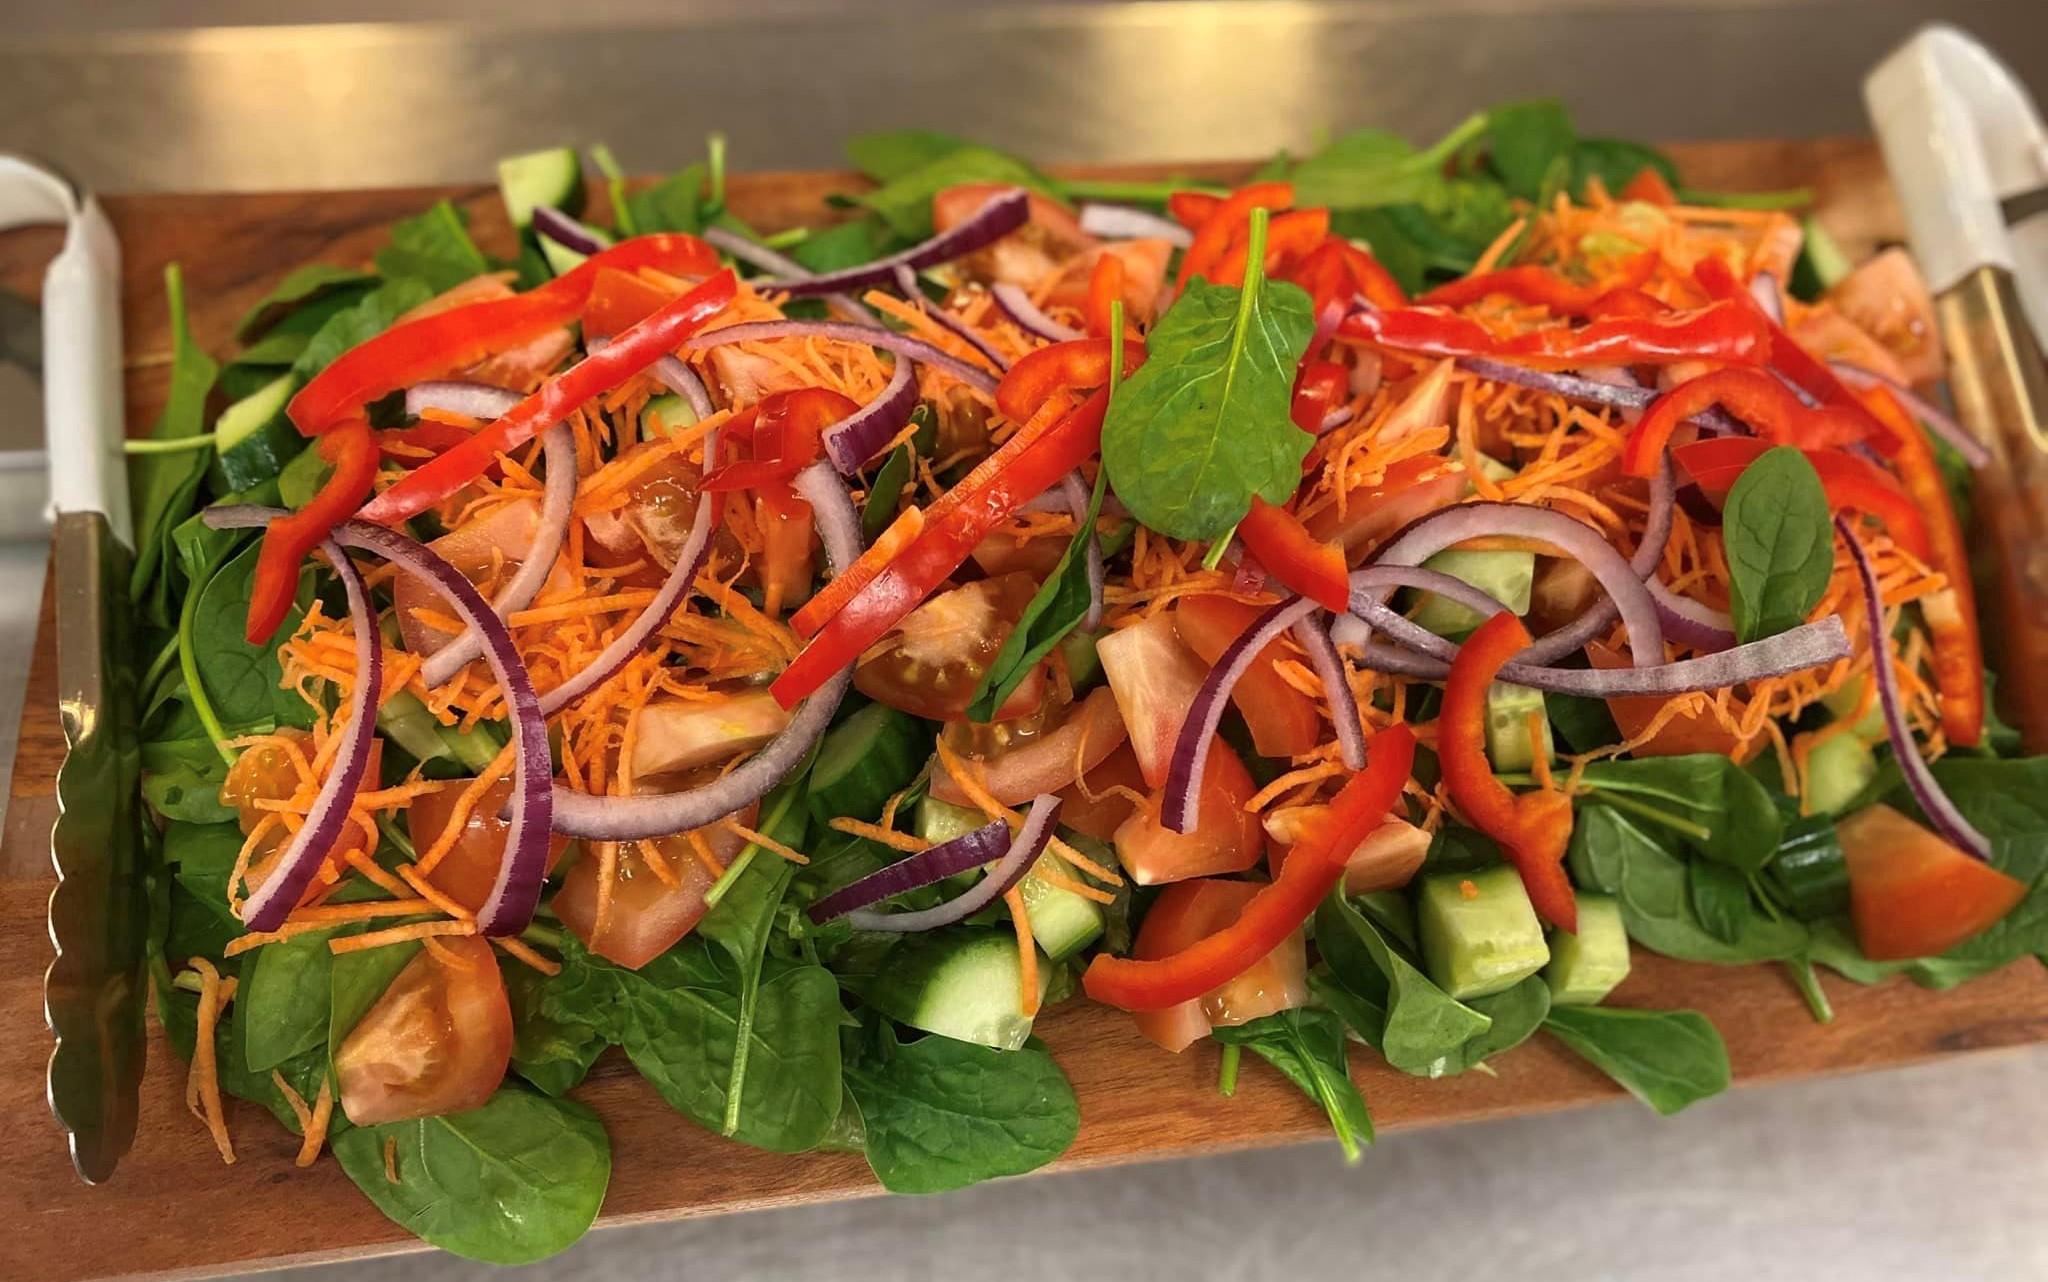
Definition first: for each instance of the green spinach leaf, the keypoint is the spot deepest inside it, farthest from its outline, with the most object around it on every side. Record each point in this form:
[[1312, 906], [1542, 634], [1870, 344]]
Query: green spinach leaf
[[301, 287], [1612, 853], [892, 153], [1204, 424], [1720, 899], [1424, 1028], [1614, 162], [164, 487], [1666, 1059], [1718, 808], [1371, 169], [942, 1114], [905, 200], [241, 681], [509, 1183], [1058, 607], [369, 317], [181, 779], [1781, 544], [555, 1033], [1529, 140], [284, 998], [676, 203], [1307, 1046], [433, 248]]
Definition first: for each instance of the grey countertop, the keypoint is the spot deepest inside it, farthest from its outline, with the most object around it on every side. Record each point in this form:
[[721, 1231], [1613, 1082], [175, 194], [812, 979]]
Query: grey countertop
[[1928, 1173]]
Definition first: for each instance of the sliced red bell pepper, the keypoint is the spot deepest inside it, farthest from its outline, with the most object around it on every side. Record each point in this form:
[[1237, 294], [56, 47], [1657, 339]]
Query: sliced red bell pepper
[[438, 345], [430, 435], [1312, 869], [1213, 237], [1290, 238], [626, 355], [1851, 483], [1649, 186], [1540, 287], [1022, 468], [1723, 332], [784, 434], [1105, 287], [1758, 398], [1533, 828], [1193, 208], [1076, 365], [1319, 390], [289, 540], [1373, 279], [1297, 558], [1625, 302], [1951, 615]]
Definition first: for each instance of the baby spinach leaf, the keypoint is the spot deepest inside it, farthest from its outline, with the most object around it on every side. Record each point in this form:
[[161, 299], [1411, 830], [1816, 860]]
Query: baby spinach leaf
[[676, 203], [885, 495], [1371, 169], [1781, 548], [1666, 1059], [1424, 1027], [1529, 139], [301, 287], [1720, 899], [284, 997], [433, 248], [369, 317], [1516, 1014], [1057, 608], [509, 1183], [240, 680], [554, 1037], [905, 200], [1614, 161], [941, 1114], [892, 153], [164, 486], [1719, 809], [848, 244], [1204, 424], [181, 780], [1612, 853], [1307, 1046]]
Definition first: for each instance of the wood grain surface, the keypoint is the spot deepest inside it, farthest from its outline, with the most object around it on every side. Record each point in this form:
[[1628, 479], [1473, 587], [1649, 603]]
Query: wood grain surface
[[173, 1211]]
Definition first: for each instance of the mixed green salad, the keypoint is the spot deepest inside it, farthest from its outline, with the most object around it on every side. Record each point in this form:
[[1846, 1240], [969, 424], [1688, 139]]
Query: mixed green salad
[[1332, 617]]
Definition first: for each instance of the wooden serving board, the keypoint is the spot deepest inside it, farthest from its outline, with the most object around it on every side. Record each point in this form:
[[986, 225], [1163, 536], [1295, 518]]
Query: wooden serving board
[[174, 1211]]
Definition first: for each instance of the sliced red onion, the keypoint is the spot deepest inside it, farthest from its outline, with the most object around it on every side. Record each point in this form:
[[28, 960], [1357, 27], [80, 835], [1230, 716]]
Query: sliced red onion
[[858, 437], [906, 281], [579, 814], [1937, 420], [679, 378], [1329, 667], [1184, 769], [1588, 391], [1076, 492], [566, 231], [327, 820], [1624, 587], [1121, 222], [1248, 573], [970, 850], [1764, 288], [1807, 646], [1335, 419], [1025, 848], [1574, 635], [789, 269], [1690, 623], [515, 893], [558, 447], [1000, 215], [888, 340], [1017, 305], [1934, 803], [471, 400]]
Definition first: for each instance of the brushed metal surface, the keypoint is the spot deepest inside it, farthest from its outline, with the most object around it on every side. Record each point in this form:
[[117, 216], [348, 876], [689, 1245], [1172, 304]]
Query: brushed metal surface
[[385, 104]]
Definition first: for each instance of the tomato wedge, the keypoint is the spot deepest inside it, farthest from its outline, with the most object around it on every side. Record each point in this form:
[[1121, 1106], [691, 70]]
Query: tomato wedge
[[647, 915], [1091, 732], [1913, 894], [438, 1041], [1185, 914], [1155, 679], [1226, 837]]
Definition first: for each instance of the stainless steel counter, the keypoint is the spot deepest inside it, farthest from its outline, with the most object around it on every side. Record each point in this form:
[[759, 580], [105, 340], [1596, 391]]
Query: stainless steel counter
[[1923, 1174]]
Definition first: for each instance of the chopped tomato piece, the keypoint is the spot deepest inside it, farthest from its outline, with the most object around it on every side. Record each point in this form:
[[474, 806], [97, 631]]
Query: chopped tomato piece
[[932, 663], [1226, 837], [438, 1041], [1913, 894], [1284, 722], [677, 735], [470, 868], [1887, 299], [646, 915], [1371, 514], [1019, 767], [1187, 913], [1155, 678], [1099, 802], [1387, 859]]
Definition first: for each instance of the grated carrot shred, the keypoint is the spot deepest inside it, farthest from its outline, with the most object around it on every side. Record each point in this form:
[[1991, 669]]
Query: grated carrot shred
[[1027, 952], [400, 935], [202, 1081]]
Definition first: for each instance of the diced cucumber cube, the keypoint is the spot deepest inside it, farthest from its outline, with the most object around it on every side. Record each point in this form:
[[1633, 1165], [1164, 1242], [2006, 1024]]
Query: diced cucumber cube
[[1508, 708], [1479, 931], [1585, 967], [1505, 575], [1837, 771]]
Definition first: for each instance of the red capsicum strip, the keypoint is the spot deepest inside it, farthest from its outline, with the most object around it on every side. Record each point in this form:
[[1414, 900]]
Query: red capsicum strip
[[784, 434], [1290, 238], [1297, 558], [1851, 484], [1314, 866], [1756, 397], [1950, 615], [438, 345], [1533, 828], [1723, 332], [1105, 287], [1060, 367], [289, 540], [593, 376], [1320, 388], [1024, 467], [1540, 287], [1232, 216]]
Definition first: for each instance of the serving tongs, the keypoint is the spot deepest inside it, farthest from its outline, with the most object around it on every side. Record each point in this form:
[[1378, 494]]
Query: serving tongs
[[93, 993], [1969, 157]]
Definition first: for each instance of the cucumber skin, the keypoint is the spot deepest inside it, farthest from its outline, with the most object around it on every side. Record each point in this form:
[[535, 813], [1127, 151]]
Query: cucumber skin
[[1585, 967], [961, 983], [864, 775]]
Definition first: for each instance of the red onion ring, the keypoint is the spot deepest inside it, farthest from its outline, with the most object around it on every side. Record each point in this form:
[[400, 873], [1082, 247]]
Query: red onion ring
[[1574, 635], [888, 340], [472, 400], [578, 814], [906, 281], [515, 893], [1024, 850], [684, 382], [1184, 769], [1017, 305], [1624, 587], [1076, 493], [757, 255], [327, 820], [1122, 222], [1588, 391], [558, 447], [1926, 789], [1937, 420], [858, 437], [1329, 667], [1688, 622], [566, 231], [970, 850], [1764, 288], [1000, 215]]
